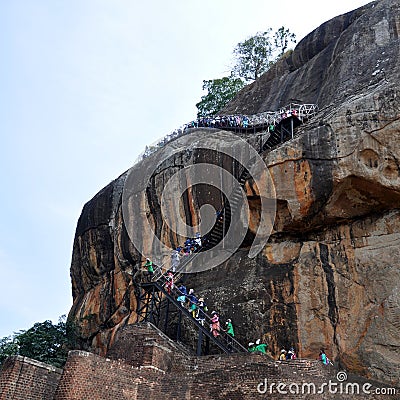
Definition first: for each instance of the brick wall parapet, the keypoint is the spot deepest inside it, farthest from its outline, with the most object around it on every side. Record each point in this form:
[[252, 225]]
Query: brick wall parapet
[[23, 378], [161, 370]]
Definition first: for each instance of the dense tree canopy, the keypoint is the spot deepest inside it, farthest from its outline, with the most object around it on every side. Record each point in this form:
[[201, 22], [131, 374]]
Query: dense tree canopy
[[8, 347], [219, 93], [44, 342]]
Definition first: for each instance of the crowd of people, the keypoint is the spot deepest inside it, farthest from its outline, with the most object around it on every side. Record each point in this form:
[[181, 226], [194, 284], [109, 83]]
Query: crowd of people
[[191, 245], [287, 355], [270, 119], [267, 119], [198, 309], [197, 306], [188, 299], [223, 121]]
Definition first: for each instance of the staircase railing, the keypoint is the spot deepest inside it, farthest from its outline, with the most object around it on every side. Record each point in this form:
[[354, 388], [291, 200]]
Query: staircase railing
[[275, 136], [224, 341]]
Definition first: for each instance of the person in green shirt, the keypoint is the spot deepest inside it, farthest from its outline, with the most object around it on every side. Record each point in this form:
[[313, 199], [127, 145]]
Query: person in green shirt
[[258, 347], [230, 333], [149, 266], [261, 347], [229, 328]]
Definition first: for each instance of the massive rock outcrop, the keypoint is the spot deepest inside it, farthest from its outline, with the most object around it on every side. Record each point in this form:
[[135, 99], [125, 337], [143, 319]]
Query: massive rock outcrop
[[329, 275]]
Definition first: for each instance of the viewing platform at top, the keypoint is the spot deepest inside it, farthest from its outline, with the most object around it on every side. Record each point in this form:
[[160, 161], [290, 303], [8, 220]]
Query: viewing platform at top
[[267, 121]]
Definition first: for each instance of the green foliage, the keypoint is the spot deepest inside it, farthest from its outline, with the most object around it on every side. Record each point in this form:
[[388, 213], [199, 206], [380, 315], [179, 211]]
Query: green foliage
[[256, 54], [8, 347], [281, 40], [253, 56], [219, 93], [43, 342]]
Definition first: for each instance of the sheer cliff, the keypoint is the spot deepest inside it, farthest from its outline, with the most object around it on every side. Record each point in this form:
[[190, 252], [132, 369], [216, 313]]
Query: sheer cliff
[[329, 275]]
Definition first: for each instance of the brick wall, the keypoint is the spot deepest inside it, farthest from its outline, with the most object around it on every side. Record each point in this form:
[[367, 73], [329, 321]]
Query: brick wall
[[91, 377], [143, 364], [22, 378], [144, 345]]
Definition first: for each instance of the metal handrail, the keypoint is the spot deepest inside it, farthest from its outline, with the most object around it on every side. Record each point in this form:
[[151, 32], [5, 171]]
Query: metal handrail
[[300, 111], [303, 111], [227, 338]]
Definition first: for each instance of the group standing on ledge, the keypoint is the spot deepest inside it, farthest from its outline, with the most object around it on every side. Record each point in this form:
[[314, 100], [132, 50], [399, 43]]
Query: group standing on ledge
[[239, 121], [267, 121], [287, 355]]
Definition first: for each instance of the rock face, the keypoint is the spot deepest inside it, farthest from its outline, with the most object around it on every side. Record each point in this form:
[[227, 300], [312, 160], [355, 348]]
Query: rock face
[[329, 275]]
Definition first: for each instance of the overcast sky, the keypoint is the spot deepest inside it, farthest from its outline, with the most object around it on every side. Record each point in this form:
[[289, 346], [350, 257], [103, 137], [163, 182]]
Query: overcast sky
[[84, 86]]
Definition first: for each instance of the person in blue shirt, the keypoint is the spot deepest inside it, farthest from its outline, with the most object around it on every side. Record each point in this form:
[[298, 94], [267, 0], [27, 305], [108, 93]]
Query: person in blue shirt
[[192, 302], [183, 293]]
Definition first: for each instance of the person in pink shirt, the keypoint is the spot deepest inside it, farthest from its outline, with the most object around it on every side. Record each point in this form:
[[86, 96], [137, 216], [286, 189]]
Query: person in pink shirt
[[215, 327]]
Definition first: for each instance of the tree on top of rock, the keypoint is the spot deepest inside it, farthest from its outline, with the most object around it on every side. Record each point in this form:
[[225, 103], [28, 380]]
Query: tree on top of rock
[[253, 57], [282, 37], [256, 54], [219, 92]]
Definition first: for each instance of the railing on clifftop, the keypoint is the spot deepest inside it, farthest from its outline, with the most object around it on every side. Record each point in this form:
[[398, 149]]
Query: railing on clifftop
[[278, 127], [239, 123]]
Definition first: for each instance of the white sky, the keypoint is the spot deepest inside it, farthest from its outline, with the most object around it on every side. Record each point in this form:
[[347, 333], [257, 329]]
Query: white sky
[[84, 86]]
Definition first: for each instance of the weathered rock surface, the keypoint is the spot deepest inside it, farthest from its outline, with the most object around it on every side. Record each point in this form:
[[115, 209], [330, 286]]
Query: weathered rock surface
[[330, 274]]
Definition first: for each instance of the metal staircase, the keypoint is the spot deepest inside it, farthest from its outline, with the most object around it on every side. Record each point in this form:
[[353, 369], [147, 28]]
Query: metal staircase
[[283, 131], [156, 305], [155, 302]]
